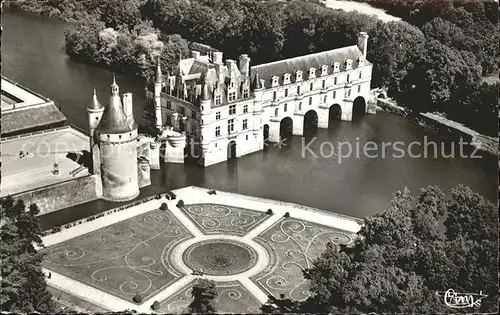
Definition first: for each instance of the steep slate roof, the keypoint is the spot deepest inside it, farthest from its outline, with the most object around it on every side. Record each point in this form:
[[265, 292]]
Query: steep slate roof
[[303, 63], [113, 119], [95, 102], [31, 117]]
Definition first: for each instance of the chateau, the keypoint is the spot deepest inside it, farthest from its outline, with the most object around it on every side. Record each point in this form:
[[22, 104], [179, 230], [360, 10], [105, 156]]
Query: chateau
[[229, 110]]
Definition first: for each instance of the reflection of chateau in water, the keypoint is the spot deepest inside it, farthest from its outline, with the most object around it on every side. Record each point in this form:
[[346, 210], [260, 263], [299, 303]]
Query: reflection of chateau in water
[[229, 116]]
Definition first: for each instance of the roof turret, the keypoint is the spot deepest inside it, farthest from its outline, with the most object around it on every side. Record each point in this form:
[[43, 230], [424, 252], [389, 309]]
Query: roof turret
[[95, 102], [159, 76], [256, 85], [205, 93], [113, 120]]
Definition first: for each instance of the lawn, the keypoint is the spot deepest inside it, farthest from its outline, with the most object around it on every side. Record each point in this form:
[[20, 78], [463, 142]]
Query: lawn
[[123, 259], [232, 298], [215, 219], [293, 245]]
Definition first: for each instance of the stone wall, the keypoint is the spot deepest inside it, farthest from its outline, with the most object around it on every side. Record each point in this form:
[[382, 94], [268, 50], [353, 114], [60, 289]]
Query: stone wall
[[63, 195]]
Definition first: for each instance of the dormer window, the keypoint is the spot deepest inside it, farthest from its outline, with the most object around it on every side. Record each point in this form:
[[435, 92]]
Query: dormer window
[[336, 67], [286, 78], [312, 73], [218, 99], [348, 64], [245, 92], [298, 75], [324, 70], [361, 61], [274, 81]]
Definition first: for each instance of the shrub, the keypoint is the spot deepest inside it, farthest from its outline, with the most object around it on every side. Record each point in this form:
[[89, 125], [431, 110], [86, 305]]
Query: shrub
[[137, 298], [164, 206], [269, 211], [287, 215], [155, 306], [180, 204]]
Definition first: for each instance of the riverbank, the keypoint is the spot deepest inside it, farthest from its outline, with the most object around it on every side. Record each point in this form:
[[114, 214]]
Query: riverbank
[[437, 121], [361, 8]]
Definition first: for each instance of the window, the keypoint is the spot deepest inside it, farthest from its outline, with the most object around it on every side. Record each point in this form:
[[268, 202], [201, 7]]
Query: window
[[286, 107], [276, 112], [310, 101], [245, 109], [232, 109], [245, 124], [311, 86], [182, 110], [324, 69], [347, 77], [360, 74], [334, 94], [274, 95], [349, 93], [193, 114], [286, 78], [246, 137], [336, 67], [231, 96], [275, 81], [217, 115], [324, 99], [286, 92], [218, 99], [335, 80], [230, 125], [323, 84], [359, 88], [312, 73], [298, 89], [169, 105], [245, 93], [300, 106], [298, 76]]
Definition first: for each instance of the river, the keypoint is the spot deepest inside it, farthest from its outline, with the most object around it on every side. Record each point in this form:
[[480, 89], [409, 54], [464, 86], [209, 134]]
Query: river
[[33, 55]]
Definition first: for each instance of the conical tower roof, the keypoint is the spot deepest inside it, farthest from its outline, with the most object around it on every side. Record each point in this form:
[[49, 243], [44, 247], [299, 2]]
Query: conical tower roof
[[95, 102], [113, 119], [159, 76], [256, 85]]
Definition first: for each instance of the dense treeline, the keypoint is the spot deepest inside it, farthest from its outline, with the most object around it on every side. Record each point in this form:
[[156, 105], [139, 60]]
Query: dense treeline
[[434, 65]]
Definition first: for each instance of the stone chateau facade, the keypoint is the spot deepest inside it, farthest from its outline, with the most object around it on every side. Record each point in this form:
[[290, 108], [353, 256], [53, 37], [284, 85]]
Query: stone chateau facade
[[229, 110]]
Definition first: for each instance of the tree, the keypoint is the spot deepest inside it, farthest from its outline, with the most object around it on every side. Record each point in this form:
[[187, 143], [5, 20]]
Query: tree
[[24, 288], [402, 258], [204, 294]]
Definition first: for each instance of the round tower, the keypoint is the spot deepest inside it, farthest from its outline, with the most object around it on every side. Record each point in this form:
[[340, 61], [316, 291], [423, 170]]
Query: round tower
[[258, 91], [94, 112], [158, 85], [118, 145]]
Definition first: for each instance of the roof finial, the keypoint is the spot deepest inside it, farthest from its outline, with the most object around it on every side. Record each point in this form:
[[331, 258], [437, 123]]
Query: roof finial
[[114, 79], [95, 102]]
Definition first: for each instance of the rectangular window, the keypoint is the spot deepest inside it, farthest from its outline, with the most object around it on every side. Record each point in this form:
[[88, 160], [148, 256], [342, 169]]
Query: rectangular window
[[311, 86], [217, 131], [231, 96], [217, 115], [246, 137], [230, 125], [348, 92], [232, 109], [245, 93], [359, 88], [217, 99], [323, 84], [335, 80], [245, 124], [286, 107], [310, 101], [347, 77], [245, 109], [182, 110], [324, 99], [298, 89], [360, 74], [274, 95], [286, 92], [169, 105], [334, 94]]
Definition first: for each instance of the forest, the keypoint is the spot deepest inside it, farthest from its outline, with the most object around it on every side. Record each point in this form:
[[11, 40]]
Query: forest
[[434, 60]]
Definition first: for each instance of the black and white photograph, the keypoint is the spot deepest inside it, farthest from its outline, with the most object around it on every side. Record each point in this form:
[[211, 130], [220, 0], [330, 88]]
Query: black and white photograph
[[249, 156]]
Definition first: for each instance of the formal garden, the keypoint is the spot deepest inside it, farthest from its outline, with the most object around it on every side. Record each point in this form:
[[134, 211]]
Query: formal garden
[[134, 259]]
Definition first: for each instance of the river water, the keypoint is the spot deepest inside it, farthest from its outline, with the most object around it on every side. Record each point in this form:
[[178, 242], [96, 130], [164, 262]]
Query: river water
[[33, 55]]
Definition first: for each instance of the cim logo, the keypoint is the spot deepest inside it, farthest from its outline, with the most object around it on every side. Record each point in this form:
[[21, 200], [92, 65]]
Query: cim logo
[[461, 300]]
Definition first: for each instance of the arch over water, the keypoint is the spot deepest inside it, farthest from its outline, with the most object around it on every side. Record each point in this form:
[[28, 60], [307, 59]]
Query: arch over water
[[358, 107], [334, 114], [286, 127], [266, 133], [231, 150], [310, 121]]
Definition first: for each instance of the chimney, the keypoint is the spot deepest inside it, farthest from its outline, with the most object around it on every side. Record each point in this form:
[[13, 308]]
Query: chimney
[[244, 64], [363, 42], [195, 54], [231, 67], [217, 57], [127, 105]]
